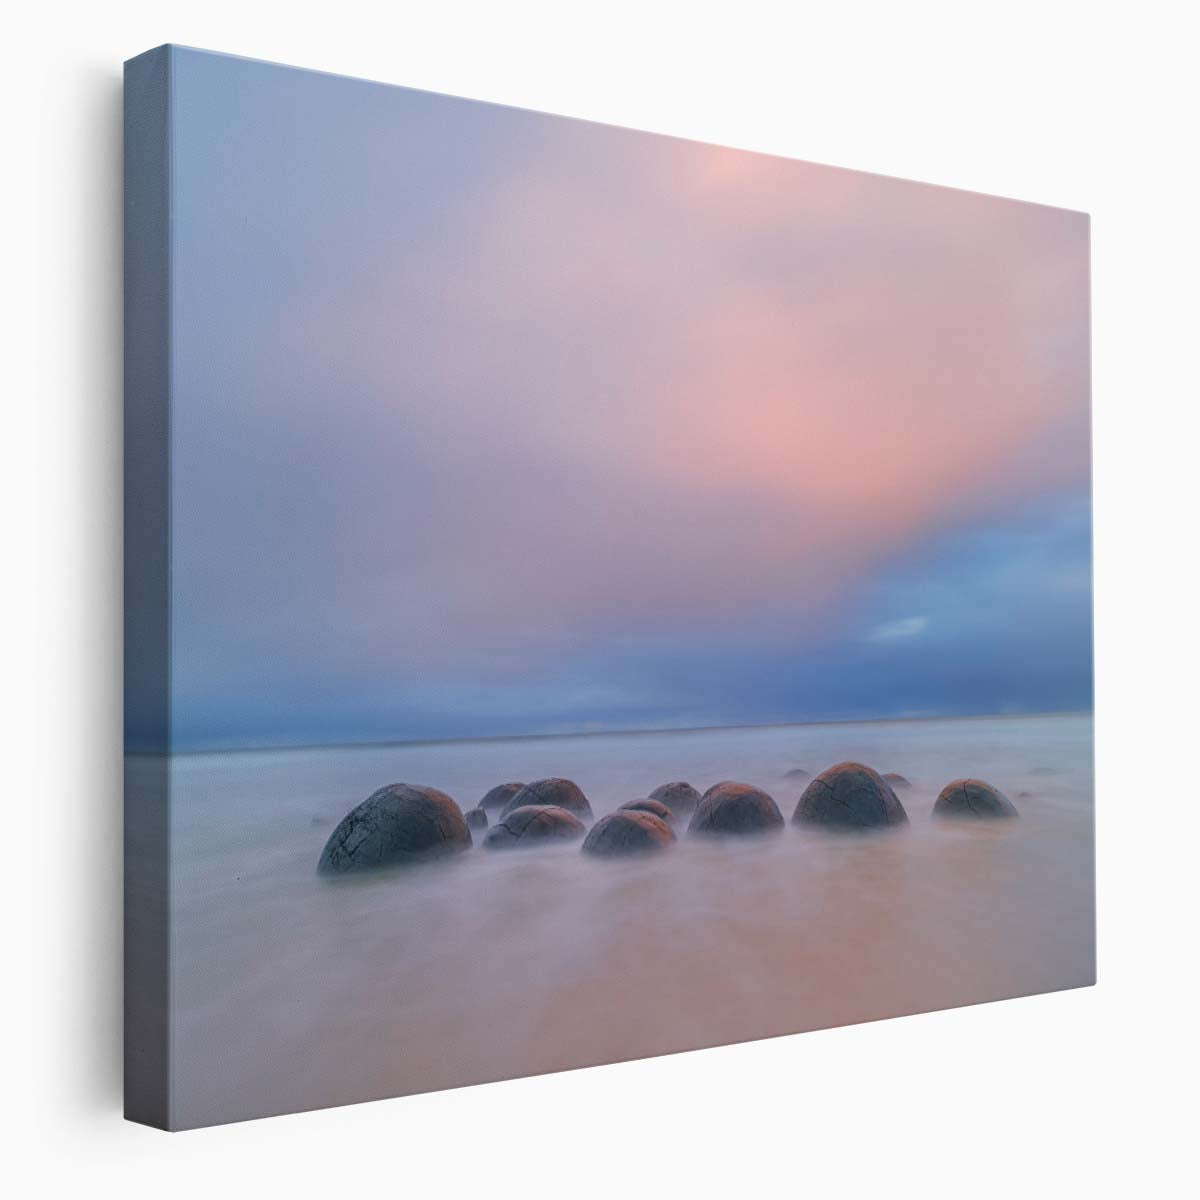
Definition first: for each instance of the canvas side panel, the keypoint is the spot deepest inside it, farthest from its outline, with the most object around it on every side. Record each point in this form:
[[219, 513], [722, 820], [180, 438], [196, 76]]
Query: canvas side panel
[[146, 571]]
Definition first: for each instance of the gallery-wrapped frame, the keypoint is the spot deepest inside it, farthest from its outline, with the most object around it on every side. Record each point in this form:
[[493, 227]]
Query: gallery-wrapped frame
[[589, 594]]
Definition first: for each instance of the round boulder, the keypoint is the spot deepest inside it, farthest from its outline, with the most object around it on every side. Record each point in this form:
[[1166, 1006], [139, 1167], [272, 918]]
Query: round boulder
[[399, 824], [476, 819], [559, 793], [972, 799], [628, 831], [896, 781], [681, 798], [533, 824], [499, 796], [797, 773], [736, 808], [849, 796], [656, 808]]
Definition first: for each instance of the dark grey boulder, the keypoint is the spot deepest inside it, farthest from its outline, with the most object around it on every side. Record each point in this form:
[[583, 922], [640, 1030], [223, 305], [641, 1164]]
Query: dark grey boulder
[[628, 831], [972, 800], [476, 819], [1024, 795], [561, 793], [499, 796], [532, 825], [896, 781], [681, 798], [849, 796], [399, 824], [655, 808], [736, 808], [797, 773]]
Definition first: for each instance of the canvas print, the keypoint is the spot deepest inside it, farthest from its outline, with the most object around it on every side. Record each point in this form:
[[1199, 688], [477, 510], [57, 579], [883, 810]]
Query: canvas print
[[590, 594]]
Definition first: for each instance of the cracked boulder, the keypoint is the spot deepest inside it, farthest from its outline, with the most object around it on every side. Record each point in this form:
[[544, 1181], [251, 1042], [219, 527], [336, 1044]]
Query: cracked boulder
[[627, 832], [735, 808], [499, 796], [849, 796], [561, 793], [399, 824], [971, 800], [476, 819], [681, 798], [533, 825], [656, 808]]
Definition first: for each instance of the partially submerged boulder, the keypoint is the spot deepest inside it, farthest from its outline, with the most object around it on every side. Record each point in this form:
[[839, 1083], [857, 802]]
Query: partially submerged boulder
[[972, 799], [532, 825], [897, 781], [476, 819], [797, 773], [681, 798], [561, 793], [402, 823], [849, 796], [626, 832], [499, 796], [655, 808], [735, 808]]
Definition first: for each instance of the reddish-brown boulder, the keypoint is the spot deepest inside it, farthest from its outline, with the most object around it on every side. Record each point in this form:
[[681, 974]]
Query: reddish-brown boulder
[[627, 832], [972, 800], [849, 796], [400, 824], [735, 808], [534, 824]]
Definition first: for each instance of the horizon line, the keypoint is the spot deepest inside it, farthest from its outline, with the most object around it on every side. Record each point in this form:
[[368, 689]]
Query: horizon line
[[384, 743]]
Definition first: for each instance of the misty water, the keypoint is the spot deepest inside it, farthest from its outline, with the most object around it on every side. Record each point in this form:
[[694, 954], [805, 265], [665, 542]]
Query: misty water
[[294, 991]]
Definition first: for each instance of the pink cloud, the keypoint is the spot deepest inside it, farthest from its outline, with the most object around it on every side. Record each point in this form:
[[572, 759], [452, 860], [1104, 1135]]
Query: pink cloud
[[666, 385]]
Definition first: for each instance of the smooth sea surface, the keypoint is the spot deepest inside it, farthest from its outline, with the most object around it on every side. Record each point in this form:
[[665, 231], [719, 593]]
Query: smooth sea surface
[[293, 991]]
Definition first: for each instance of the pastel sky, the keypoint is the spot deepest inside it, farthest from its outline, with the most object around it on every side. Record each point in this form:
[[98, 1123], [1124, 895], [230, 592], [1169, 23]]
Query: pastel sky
[[486, 422]]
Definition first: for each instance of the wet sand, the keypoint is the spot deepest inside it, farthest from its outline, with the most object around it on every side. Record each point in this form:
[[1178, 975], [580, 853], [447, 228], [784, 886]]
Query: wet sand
[[292, 991]]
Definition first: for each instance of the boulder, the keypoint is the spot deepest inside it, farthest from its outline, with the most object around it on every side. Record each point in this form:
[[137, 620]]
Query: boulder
[[476, 819], [681, 798], [972, 799], [628, 831], [399, 824], [849, 796], [897, 781], [499, 796], [533, 824], [655, 808], [796, 773], [559, 793], [736, 808]]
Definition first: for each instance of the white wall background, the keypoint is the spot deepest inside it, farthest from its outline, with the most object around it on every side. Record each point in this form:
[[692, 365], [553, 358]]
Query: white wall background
[[1079, 104]]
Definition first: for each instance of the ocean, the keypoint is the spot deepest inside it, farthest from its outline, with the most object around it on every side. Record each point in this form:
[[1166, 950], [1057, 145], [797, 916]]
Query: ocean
[[294, 991]]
